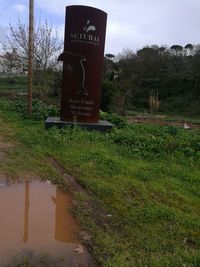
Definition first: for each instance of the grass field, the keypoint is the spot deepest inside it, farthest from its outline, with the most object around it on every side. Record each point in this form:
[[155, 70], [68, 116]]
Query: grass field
[[141, 197]]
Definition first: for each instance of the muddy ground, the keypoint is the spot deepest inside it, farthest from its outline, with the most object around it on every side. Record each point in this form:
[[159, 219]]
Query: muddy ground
[[162, 120], [22, 227]]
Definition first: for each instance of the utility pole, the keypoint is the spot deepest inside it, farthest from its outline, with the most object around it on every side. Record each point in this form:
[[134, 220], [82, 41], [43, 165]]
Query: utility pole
[[30, 56]]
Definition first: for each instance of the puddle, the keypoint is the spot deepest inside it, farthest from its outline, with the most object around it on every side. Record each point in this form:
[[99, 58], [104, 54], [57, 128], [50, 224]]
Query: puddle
[[35, 217]]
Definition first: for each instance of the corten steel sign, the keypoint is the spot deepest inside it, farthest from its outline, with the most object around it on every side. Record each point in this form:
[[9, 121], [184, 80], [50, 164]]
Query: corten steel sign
[[82, 58]]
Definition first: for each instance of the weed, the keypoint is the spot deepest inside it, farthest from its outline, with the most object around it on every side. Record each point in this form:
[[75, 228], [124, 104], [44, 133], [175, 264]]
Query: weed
[[40, 111], [146, 178]]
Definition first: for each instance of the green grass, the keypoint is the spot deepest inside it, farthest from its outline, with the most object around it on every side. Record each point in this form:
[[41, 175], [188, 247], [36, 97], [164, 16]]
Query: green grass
[[15, 86], [145, 178]]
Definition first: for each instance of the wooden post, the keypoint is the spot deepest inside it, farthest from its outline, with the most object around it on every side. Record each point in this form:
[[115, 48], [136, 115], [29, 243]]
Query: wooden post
[[30, 56]]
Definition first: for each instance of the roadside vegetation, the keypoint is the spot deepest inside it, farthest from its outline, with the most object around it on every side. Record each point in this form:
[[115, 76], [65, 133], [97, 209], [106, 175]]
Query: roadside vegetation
[[139, 184], [153, 79], [143, 180]]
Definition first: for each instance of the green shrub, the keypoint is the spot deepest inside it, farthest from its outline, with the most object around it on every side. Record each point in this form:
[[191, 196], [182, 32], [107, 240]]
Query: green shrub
[[20, 80], [117, 120], [40, 111], [107, 94]]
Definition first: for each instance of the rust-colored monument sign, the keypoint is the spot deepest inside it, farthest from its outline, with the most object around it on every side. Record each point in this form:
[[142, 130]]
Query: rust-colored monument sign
[[82, 58]]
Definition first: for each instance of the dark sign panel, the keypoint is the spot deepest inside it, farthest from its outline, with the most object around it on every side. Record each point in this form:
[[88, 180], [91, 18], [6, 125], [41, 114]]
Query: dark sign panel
[[82, 58]]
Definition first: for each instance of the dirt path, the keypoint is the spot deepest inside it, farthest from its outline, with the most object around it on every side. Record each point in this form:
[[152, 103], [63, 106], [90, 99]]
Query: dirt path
[[161, 120], [23, 203]]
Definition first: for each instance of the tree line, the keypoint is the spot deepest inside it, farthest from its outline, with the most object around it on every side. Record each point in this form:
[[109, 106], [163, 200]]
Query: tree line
[[132, 79], [155, 77]]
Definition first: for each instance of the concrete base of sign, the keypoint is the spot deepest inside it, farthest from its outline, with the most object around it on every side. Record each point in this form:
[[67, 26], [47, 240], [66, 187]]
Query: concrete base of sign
[[100, 126]]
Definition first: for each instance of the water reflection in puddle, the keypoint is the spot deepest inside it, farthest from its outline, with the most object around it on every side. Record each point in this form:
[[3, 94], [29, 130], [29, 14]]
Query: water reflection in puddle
[[35, 216]]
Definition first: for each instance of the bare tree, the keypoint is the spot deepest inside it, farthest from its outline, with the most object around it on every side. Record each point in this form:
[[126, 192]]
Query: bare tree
[[47, 47]]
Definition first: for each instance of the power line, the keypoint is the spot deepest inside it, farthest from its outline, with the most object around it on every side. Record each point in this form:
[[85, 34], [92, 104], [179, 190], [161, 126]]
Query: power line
[[4, 10]]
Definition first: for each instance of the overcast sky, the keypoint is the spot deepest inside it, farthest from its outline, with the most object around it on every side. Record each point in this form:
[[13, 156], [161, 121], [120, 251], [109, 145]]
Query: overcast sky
[[131, 24]]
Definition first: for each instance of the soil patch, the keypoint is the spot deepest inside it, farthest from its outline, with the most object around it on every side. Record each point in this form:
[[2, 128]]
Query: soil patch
[[161, 120], [89, 206]]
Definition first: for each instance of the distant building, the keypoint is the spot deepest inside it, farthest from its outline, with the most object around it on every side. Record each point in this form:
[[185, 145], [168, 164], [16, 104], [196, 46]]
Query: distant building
[[10, 63]]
